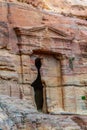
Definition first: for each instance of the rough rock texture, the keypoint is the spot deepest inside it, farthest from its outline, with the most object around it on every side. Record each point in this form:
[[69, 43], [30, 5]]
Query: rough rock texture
[[60, 40], [16, 114], [70, 8]]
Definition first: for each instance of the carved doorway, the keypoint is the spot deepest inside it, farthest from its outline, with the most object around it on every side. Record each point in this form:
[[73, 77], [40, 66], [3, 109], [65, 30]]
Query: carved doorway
[[51, 76]]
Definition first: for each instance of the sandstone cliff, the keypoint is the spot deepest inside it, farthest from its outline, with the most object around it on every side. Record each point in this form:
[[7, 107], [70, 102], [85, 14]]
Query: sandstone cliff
[[56, 31]]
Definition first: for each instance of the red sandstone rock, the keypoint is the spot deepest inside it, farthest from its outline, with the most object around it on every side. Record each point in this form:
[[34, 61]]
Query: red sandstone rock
[[60, 40]]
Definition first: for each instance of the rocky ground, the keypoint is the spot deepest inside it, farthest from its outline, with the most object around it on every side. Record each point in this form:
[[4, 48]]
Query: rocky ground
[[16, 114]]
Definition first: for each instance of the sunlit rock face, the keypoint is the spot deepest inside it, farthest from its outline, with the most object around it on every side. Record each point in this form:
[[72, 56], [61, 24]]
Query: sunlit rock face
[[65, 7], [68, 6]]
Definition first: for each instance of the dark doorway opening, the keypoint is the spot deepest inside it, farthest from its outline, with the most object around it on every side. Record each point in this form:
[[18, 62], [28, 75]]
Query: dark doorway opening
[[38, 86]]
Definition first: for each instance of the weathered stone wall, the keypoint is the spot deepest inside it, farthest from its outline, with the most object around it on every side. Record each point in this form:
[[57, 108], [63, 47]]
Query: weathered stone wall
[[63, 35]]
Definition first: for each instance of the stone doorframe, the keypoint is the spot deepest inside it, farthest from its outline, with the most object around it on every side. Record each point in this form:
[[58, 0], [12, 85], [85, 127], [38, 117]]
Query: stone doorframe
[[42, 39], [58, 89]]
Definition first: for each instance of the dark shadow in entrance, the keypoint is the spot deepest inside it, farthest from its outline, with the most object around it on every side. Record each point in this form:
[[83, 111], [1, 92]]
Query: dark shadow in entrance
[[38, 86]]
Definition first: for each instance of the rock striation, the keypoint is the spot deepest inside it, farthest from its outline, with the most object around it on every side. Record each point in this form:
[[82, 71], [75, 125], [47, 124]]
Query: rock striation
[[71, 8], [56, 32]]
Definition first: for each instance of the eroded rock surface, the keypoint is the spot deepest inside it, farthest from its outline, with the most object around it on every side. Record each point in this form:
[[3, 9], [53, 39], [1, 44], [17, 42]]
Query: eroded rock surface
[[54, 31], [16, 114], [70, 8]]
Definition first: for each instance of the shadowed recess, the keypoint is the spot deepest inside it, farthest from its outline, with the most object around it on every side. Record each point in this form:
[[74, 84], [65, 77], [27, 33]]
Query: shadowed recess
[[38, 87]]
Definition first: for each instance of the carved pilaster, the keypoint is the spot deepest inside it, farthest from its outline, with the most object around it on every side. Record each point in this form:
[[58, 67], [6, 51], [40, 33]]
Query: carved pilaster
[[69, 96]]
